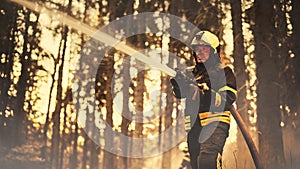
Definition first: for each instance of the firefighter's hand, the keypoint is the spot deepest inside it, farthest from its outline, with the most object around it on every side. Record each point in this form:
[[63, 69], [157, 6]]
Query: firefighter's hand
[[203, 86]]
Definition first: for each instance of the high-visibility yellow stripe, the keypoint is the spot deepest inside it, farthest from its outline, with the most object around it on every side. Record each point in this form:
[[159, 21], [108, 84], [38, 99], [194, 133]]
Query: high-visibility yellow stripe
[[208, 117], [216, 119], [187, 126], [219, 161], [213, 115], [203, 115], [229, 89], [187, 119], [206, 122], [187, 122]]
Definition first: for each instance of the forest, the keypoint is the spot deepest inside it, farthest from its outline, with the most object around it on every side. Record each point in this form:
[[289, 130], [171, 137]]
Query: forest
[[74, 94]]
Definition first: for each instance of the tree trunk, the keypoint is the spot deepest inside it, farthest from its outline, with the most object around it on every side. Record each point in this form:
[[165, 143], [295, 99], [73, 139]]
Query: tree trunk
[[244, 158], [47, 121], [75, 132], [161, 110], [7, 45], [109, 159], [74, 137], [56, 138], [55, 142], [167, 156], [295, 15], [126, 114], [65, 136], [268, 111], [292, 81], [139, 108], [22, 86], [139, 95], [95, 149], [87, 140]]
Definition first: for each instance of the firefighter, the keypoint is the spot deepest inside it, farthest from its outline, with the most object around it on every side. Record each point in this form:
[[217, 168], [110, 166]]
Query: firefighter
[[209, 97]]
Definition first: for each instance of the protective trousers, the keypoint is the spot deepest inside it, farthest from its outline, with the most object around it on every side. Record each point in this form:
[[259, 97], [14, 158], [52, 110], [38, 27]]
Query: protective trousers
[[205, 145]]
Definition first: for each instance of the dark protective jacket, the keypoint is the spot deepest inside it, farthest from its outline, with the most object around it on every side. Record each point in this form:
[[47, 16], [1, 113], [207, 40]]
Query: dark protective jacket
[[211, 100]]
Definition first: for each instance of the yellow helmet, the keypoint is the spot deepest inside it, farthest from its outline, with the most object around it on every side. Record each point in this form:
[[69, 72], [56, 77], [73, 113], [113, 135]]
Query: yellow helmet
[[206, 38]]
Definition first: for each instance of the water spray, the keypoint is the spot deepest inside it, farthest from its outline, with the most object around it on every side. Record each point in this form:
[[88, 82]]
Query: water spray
[[65, 19]]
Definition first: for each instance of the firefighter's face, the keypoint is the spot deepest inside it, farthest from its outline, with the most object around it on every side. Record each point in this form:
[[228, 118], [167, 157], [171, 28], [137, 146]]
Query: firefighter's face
[[202, 53]]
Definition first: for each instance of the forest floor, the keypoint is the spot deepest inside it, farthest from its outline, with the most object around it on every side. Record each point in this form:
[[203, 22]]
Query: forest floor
[[26, 156], [292, 148]]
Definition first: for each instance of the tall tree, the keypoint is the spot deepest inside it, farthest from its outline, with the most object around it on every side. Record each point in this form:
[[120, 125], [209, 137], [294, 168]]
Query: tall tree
[[168, 110], [241, 79], [22, 85], [73, 161], [56, 115], [114, 11], [8, 34], [65, 127], [139, 108], [102, 86], [125, 111], [291, 82], [76, 130], [109, 159], [268, 106], [126, 95], [295, 79]]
